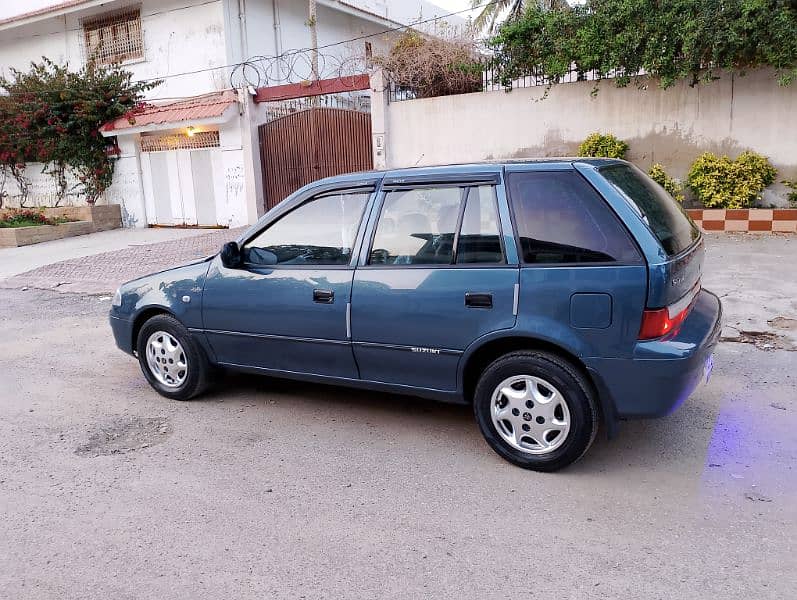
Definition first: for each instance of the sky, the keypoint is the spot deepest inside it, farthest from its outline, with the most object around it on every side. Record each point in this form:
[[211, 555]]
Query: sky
[[14, 7], [454, 5], [9, 8]]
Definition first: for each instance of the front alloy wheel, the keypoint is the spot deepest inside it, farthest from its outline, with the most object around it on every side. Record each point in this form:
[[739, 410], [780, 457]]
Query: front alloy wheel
[[166, 359], [171, 358]]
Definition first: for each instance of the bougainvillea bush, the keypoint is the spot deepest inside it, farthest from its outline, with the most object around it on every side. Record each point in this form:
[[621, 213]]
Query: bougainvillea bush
[[52, 115]]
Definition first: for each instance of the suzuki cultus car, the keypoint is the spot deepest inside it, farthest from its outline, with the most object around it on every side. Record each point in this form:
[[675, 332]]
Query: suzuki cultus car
[[552, 295]]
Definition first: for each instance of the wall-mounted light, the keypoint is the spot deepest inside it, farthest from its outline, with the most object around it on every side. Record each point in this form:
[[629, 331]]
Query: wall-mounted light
[[190, 131]]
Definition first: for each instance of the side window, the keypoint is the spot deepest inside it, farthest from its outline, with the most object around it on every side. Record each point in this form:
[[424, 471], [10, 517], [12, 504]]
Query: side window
[[479, 238], [319, 232], [560, 218], [416, 227]]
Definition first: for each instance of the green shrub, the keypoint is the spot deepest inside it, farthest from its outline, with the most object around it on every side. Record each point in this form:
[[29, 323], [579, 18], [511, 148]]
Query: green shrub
[[603, 145], [719, 182], [673, 187], [792, 197]]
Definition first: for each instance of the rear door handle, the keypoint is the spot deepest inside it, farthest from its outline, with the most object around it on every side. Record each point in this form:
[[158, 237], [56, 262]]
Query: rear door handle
[[324, 296], [478, 300]]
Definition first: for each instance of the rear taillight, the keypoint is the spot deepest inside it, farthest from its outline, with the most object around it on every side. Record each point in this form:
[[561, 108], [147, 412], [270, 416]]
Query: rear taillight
[[659, 322]]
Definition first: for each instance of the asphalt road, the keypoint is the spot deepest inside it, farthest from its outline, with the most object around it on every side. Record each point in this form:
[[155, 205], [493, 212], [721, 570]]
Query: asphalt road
[[271, 489]]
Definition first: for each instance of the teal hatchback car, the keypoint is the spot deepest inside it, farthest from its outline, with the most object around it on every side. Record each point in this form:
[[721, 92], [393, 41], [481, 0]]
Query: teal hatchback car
[[552, 295]]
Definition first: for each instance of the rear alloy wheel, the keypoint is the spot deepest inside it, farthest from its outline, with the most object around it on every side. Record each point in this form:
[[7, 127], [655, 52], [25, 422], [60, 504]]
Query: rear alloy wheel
[[536, 410], [530, 414], [171, 359]]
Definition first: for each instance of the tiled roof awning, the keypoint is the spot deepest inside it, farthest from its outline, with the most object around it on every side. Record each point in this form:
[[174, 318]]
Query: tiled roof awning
[[211, 108], [43, 11]]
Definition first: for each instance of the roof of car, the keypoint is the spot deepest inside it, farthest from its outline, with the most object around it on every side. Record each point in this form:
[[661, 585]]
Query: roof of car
[[451, 170], [497, 165]]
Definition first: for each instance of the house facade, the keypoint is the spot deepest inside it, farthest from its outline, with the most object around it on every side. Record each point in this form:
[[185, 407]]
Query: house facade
[[191, 156]]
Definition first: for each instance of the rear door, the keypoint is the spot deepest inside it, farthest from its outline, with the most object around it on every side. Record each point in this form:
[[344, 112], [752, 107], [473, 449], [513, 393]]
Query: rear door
[[434, 278]]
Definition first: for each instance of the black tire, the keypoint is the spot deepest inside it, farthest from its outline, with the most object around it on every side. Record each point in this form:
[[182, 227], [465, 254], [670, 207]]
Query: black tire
[[571, 384], [199, 369]]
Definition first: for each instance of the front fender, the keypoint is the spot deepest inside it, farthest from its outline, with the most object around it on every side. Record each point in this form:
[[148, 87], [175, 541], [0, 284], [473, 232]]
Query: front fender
[[177, 291]]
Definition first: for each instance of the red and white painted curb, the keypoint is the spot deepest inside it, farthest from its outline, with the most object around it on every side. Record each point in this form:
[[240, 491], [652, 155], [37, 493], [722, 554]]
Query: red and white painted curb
[[753, 219]]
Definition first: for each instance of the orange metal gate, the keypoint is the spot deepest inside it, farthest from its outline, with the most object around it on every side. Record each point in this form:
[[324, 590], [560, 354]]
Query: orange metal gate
[[311, 144]]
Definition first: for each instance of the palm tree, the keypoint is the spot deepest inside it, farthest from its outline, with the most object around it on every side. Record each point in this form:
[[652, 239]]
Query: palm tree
[[509, 9]]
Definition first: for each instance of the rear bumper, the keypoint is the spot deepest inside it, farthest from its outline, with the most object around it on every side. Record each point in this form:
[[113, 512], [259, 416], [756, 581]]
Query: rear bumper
[[662, 373], [122, 333]]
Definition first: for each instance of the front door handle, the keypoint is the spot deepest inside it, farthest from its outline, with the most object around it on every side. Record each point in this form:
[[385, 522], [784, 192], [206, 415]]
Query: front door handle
[[324, 296], [478, 300]]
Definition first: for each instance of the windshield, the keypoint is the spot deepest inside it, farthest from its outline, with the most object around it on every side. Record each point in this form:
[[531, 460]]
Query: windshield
[[663, 215]]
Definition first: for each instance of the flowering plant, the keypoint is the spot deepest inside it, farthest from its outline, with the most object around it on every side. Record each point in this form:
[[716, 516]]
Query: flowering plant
[[53, 116]]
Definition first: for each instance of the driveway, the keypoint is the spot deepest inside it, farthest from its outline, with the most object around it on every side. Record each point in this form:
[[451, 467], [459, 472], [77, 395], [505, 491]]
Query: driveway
[[14, 261], [99, 262], [272, 489]]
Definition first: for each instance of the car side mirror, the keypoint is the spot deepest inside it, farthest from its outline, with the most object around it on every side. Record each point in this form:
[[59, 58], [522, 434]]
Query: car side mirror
[[231, 256]]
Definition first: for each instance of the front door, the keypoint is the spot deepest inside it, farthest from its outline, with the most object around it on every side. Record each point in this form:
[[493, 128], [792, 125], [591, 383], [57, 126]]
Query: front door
[[286, 309], [437, 279]]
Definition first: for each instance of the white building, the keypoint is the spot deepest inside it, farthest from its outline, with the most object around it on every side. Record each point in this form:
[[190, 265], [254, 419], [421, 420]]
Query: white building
[[192, 157]]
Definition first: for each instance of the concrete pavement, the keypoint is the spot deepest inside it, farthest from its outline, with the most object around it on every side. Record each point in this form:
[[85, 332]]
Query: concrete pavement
[[274, 489], [756, 277]]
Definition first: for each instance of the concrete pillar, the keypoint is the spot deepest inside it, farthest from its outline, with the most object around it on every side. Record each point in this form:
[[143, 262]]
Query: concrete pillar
[[379, 107], [127, 188], [250, 148]]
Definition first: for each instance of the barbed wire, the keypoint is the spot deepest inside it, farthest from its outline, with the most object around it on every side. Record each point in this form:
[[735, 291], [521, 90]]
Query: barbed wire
[[295, 67]]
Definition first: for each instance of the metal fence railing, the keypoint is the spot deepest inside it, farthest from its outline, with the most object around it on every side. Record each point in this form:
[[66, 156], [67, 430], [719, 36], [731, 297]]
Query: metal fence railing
[[398, 93], [493, 81]]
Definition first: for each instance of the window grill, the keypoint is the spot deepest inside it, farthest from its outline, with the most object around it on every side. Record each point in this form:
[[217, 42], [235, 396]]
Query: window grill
[[180, 141], [114, 37]]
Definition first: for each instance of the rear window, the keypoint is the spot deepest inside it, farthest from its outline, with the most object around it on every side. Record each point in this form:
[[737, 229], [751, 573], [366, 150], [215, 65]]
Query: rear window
[[658, 210], [560, 219]]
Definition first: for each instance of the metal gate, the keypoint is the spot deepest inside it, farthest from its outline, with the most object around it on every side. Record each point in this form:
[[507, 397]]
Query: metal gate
[[311, 144]]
